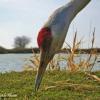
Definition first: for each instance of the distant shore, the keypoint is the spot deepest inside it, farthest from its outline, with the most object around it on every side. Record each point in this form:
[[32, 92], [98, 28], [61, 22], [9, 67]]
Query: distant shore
[[18, 50], [36, 50]]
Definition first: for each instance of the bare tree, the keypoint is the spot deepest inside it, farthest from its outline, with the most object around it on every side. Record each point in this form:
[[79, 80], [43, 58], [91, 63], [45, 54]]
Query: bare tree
[[21, 41]]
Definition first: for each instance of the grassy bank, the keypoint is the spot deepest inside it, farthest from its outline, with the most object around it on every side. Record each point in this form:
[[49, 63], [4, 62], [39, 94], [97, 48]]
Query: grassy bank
[[56, 85]]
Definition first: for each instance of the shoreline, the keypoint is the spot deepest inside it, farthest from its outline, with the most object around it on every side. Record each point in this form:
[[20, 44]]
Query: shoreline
[[37, 51]]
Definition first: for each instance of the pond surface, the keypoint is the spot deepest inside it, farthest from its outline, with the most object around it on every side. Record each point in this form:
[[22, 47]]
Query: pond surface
[[16, 62], [12, 62]]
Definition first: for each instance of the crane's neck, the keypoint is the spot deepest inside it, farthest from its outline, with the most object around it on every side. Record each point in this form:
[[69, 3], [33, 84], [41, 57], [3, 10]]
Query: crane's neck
[[75, 6], [72, 9], [79, 4]]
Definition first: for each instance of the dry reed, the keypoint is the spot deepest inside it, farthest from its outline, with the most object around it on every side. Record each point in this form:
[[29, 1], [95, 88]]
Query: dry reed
[[72, 65]]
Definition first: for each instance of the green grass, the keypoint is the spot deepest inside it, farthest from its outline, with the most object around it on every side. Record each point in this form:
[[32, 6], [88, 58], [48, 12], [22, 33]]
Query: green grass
[[66, 86]]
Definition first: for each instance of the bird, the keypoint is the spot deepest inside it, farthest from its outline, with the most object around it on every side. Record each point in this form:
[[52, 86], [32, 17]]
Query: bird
[[52, 35]]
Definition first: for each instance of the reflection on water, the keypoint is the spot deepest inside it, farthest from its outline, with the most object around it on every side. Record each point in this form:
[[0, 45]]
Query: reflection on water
[[15, 62]]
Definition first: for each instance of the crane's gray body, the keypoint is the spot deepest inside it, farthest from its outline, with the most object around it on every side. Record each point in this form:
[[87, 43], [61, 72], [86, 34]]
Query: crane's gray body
[[60, 20]]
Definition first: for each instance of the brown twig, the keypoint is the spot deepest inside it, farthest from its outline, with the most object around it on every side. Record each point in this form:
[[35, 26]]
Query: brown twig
[[72, 85], [94, 77]]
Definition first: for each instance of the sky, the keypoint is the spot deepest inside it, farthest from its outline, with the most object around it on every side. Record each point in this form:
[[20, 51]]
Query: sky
[[26, 17]]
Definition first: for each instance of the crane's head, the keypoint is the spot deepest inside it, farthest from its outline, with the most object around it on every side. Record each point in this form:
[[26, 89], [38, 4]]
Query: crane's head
[[44, 42]]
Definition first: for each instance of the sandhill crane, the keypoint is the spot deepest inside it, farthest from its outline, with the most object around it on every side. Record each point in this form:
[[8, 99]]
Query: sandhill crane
[[52, 35]]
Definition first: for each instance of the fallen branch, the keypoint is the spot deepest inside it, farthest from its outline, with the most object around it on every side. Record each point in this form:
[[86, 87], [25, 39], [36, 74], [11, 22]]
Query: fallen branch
[[72, 86], [94, 77]]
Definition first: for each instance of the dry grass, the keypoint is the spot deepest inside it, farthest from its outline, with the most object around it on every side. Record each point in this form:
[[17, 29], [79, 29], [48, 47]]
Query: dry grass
[[35, 60], [85, 65]]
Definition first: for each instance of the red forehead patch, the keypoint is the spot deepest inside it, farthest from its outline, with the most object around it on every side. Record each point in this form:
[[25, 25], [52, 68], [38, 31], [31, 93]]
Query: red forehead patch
[[44, 33]]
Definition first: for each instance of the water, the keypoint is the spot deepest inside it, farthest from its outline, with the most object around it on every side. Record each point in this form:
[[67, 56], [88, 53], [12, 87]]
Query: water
[[12, 62], [16, 62]]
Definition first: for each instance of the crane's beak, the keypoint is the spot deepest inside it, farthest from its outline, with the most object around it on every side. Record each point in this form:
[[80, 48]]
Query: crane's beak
[[44, 60]]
